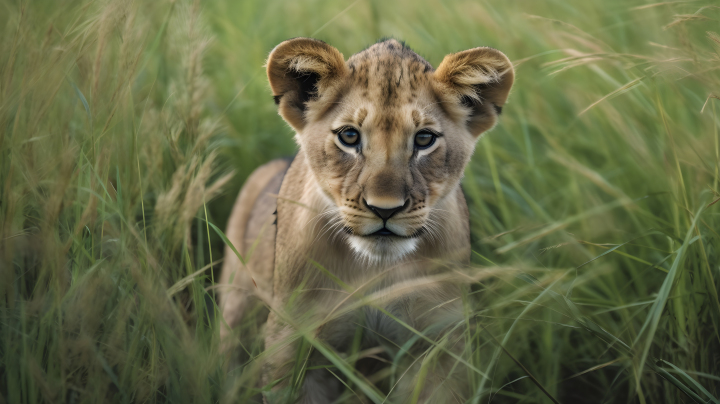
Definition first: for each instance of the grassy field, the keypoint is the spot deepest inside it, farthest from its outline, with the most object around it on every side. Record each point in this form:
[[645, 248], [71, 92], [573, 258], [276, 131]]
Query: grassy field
[[127, 126]]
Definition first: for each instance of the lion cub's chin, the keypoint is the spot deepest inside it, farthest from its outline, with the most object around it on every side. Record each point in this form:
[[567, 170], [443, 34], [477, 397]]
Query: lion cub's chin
[[382, 249]]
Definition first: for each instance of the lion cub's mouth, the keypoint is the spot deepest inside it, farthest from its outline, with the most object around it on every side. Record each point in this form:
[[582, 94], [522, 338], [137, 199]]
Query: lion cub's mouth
[[383, 245], [385, 232]]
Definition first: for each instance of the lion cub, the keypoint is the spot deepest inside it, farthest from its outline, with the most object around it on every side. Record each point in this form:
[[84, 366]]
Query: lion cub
[[370, 216]]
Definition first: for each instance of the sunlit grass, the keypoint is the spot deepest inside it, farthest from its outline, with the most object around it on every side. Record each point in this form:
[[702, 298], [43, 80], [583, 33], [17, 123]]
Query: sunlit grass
[[127, 127]]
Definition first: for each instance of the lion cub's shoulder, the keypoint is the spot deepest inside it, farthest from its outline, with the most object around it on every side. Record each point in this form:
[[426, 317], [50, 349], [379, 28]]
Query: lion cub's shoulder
[[251, 230]]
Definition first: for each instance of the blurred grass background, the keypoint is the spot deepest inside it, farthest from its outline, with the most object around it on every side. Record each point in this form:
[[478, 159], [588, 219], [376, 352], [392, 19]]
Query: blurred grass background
[[126, 126]]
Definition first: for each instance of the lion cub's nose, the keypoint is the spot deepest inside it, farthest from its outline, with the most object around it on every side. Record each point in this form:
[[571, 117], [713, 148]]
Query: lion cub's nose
[[386, 213]]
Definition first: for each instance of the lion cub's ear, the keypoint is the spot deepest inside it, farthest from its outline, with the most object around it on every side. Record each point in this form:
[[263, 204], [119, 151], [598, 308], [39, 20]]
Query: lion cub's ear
[[302, 70], [481, 79]]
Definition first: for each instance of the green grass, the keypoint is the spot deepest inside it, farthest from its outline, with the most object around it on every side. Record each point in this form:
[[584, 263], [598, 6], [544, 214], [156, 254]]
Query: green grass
[[592, 202]]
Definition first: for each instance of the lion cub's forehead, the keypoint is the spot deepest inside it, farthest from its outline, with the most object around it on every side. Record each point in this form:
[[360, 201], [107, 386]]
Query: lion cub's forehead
[[389, 88], [389, 74]]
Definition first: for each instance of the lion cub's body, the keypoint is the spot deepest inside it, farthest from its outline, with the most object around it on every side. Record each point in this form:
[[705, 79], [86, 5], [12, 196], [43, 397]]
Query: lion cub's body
[[367, 232], [252, 228]]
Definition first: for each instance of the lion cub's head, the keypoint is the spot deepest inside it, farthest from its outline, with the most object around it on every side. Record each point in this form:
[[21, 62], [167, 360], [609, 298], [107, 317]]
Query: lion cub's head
[[387, 137]]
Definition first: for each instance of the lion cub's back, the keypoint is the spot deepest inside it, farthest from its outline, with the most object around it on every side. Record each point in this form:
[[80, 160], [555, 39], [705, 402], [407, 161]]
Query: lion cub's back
[[251, 229]]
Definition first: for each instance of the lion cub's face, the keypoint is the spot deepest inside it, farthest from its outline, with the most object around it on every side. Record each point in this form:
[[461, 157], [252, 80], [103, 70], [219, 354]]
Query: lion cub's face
[[387, 136]]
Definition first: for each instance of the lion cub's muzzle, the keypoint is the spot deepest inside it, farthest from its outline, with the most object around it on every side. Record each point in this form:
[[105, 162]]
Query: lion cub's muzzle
[[389, 218], [386, 213]]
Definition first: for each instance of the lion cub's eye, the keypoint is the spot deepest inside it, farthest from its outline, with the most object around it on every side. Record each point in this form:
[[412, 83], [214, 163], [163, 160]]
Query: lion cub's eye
[[424, 139], [349, 136]]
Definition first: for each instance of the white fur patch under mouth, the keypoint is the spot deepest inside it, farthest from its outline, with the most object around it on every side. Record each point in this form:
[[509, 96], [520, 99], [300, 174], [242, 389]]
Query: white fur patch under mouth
[[375, 249]]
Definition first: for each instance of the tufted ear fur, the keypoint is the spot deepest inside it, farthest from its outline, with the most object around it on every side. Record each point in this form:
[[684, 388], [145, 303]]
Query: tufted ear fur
[[302, 70], [481, 79]]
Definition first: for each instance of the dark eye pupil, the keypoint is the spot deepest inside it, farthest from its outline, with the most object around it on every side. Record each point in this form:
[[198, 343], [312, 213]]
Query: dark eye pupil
[[349, 136], [424, 139]]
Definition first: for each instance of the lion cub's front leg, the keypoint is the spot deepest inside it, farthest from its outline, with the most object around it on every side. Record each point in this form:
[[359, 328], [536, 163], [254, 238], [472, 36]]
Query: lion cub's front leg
[[432, 371], [429, 371], [283, 345], [434, 376]]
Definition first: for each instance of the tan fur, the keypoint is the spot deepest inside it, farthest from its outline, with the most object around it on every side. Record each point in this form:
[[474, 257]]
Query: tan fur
[[324, 215], [251, 230]]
